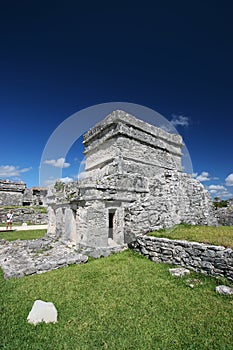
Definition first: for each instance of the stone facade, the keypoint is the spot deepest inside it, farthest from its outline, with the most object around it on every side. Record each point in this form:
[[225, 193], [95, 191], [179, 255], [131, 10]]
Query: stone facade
[[133, 183], [207, 259], [17, 194]]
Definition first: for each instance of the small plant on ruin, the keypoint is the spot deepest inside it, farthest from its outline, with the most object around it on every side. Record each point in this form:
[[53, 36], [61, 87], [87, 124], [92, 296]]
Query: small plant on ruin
[[59, 186]]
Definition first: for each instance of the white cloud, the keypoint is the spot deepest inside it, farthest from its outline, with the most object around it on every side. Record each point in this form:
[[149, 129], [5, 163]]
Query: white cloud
[[216, 188], [219, 191], [204, 176], [229, 180], [66, 179], [179, 120], [11, 171], [51, 181], [58, 163]]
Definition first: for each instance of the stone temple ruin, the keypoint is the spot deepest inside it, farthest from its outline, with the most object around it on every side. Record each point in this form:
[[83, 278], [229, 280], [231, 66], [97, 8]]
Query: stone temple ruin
[[133, 184], [17, 193]]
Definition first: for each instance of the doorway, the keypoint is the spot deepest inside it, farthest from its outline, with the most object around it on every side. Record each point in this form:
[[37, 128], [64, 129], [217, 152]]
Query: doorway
[[111, 222]]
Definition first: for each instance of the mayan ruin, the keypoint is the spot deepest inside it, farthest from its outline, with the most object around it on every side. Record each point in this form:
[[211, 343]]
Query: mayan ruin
[[133, 184]]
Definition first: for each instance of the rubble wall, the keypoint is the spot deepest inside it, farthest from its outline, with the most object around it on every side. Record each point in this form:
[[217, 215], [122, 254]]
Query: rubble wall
[[207, 259], [172, 198], [25, 214]]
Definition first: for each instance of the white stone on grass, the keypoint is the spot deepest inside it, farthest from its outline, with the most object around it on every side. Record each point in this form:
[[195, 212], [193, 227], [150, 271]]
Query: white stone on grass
[[179, 272], [42, 312], [224, 290]]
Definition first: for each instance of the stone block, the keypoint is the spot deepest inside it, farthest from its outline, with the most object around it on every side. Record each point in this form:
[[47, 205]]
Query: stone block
[[225, 290], [42, 312], [179, 272]]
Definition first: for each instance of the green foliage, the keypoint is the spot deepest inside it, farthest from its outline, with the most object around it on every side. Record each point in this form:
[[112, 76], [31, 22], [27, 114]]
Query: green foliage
[[121, 302], [59, 186], [217, 203], [220, 235], [39, 209]]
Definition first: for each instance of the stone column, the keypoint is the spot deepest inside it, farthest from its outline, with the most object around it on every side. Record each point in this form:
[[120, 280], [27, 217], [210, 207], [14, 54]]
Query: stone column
[[51, 221], [70, 225], [60, 222]]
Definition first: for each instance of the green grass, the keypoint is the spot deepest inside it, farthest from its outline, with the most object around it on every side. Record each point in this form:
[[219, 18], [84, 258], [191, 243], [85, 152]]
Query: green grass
[[121, 302], [221, 235], [27, 234]]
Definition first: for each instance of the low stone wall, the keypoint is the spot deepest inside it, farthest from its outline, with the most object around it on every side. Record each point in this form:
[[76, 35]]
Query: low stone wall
[[207, 259], [25, 214]]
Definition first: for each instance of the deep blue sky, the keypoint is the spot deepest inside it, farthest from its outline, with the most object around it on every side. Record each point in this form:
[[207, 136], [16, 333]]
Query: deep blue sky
[[58, 57]]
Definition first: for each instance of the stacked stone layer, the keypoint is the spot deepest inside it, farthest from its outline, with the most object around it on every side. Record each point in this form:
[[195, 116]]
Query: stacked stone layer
[[207, 259]]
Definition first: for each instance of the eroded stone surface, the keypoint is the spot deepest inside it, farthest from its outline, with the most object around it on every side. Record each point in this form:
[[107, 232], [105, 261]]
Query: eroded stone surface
[[20, 258]]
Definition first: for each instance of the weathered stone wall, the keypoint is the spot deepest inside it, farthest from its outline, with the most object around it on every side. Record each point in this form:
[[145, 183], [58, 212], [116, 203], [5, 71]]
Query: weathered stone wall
[[11, 198], [225, 216], [25, 214], [172, 198], [207, 259]]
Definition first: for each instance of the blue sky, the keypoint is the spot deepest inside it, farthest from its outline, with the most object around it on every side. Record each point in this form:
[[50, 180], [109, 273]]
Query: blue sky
[[175, 57]]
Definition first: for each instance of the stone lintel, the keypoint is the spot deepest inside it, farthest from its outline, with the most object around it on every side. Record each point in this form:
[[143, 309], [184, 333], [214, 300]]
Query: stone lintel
[[103, 189], [139, 161], [109, 199]]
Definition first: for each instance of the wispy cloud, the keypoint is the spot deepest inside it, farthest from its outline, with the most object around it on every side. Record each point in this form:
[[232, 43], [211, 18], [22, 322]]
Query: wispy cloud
[[58, 163], [180, 120], [12, 171], [204, 176], [229, 180], [219, 191]]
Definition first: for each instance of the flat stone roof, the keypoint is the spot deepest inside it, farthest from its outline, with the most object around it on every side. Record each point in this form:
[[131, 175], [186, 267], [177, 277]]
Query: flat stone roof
[[126, 118]]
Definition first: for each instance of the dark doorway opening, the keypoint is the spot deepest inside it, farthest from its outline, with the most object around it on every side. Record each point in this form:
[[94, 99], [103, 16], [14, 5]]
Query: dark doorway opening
[[111, 215]]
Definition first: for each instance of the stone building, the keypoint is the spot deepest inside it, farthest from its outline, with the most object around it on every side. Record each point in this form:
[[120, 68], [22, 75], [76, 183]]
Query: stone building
[[17, 193], [11, 193], [133, 183]]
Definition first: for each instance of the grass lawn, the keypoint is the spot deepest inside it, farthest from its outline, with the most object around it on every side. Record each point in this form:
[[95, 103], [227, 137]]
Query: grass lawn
[[27, 234], [121, 302], [221, 235]]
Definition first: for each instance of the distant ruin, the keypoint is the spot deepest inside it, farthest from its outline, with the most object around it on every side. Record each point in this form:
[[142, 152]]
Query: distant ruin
[[133, 184], [28, 203], [16, 193]]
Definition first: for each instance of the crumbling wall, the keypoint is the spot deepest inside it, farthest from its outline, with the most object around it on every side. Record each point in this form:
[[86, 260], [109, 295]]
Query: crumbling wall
[[26, 214], [173, 197]]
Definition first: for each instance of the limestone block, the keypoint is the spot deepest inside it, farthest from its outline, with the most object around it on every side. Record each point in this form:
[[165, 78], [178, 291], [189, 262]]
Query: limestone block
[[42, 312], [224, 290], [179, 272]]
